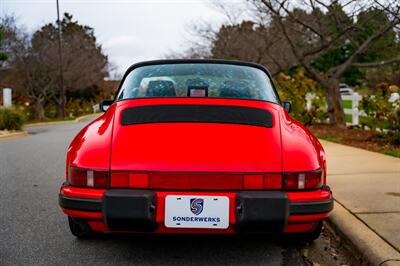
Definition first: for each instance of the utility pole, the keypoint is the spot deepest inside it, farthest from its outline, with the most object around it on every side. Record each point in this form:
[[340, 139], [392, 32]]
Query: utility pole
[[62, 89]]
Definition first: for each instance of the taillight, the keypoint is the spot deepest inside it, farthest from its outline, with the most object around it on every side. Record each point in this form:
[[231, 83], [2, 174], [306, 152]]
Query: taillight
[[88, 178], [306, 180]]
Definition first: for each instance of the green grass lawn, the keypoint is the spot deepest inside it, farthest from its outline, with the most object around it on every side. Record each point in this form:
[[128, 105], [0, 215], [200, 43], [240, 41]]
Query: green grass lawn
[[348, 118], [394, 153], [347, 104], [331, 138]]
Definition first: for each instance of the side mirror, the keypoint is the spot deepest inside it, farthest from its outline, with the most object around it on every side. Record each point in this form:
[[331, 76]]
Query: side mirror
[[104, 105], [287, 106]]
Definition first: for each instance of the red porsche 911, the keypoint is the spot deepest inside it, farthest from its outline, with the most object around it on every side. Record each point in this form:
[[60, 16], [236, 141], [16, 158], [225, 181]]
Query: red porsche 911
[[196, 146]]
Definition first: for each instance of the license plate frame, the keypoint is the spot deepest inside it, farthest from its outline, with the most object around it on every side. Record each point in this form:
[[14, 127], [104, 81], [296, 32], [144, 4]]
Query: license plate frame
[[196, 211]]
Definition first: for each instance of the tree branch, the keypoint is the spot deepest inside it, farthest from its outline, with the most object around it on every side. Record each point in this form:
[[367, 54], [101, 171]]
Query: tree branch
[[291, 16], [327, 45], [377, 64], [339, 70]]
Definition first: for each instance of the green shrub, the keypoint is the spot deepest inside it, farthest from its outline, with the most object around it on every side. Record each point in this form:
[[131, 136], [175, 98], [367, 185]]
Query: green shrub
[[73, 108], [50, 110], [383, 117], [294, 88], [78, 107], [10, 120], [27, 111]]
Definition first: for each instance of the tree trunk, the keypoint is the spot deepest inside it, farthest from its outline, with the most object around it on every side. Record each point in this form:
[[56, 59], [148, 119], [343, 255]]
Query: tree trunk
[[39, 110], [335, 108], [60, 101], [61, 110]]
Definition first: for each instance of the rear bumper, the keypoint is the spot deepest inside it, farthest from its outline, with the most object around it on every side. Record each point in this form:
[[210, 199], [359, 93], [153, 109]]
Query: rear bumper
[[296, 208], [249, 211]]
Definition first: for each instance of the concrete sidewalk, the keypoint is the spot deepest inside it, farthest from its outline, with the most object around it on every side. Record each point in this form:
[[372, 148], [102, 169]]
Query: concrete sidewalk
[[367, 184]]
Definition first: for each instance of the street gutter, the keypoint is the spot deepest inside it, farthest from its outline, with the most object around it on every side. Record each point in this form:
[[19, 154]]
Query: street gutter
[[76, 120], [13, 135], [24, 133], [360, 239]]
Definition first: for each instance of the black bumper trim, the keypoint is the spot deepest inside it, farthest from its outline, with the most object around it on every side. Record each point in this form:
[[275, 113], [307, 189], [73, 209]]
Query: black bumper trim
[[311, 207], [296, 208], [127, 209], [80, 204], [260, 211]]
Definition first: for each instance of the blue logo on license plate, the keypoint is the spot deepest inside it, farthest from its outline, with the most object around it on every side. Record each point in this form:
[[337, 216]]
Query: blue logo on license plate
[[196, 205]]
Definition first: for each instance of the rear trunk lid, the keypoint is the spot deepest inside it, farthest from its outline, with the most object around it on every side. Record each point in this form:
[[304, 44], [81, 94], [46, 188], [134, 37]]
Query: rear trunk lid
[[196, 135]]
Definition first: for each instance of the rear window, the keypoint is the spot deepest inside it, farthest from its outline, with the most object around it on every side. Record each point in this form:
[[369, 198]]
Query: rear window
[[198, 80]]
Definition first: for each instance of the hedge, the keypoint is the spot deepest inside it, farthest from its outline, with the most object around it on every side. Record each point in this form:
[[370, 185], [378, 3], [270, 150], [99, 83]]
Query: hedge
[[10, 120]]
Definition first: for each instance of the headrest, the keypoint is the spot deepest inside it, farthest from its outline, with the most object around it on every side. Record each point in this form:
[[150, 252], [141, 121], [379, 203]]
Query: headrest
[[235, 89], [161, 88]]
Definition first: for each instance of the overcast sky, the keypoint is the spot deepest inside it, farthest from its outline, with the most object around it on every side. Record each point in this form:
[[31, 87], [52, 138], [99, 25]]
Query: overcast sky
[[130, 30]]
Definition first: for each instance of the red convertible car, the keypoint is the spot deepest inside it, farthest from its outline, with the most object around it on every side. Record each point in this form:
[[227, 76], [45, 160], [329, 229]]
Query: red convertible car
[[196, 146]]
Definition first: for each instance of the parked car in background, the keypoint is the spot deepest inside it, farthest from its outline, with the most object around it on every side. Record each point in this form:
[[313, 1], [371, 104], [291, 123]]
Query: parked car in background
[[196, 146], [345, 89]]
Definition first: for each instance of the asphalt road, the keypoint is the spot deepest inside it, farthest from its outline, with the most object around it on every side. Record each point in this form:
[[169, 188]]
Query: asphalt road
[[34, 231]]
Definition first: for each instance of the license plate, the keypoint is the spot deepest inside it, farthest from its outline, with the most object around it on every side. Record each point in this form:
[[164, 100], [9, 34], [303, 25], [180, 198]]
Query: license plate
[[197, 211]]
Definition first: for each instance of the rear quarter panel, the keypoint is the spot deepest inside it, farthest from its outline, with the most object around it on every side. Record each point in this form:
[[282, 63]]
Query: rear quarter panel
[[301, 150], [92, 145]]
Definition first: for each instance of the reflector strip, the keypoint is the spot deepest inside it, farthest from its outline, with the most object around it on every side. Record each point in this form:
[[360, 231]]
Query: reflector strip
[[253, 182], [273, 181], [138, 180], [214, 181]]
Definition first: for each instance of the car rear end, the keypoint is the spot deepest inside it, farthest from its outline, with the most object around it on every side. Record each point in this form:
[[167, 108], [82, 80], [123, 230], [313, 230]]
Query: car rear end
[[195, 165]]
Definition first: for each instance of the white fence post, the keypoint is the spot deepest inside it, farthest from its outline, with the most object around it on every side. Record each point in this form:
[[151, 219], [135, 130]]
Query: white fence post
[[355, 98], [356, 112], [309, 98], [96, 108], [7, 97]]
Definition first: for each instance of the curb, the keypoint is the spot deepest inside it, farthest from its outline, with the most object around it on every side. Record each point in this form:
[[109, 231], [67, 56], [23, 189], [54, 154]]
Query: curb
[[76, 120], [361, 239], [14, 135], [79, 119]]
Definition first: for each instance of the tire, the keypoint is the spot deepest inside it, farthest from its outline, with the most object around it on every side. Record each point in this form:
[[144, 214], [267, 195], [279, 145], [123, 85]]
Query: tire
[[301, 237], [311, 236], [79, 228]]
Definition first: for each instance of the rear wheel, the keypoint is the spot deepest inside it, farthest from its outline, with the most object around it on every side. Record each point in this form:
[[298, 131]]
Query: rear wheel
[[79, 228], [301, 237], [311, 236]]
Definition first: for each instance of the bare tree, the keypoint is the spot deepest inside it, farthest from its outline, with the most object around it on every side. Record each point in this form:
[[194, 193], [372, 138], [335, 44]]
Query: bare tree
[[313, 27], [25, 69], [3, 56], [34, 61], [84, 64], [250, 41], [201, 34]]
